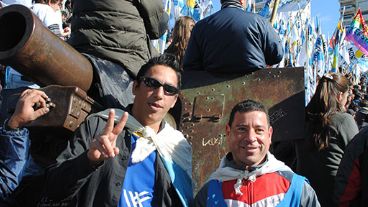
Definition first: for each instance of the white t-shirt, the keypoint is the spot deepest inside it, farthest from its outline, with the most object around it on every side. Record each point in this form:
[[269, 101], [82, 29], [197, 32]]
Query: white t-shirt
[[60, 19], [48, 17]]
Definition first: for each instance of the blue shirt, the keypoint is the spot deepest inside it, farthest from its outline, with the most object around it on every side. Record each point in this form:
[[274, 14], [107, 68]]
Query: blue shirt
[[137, 190]]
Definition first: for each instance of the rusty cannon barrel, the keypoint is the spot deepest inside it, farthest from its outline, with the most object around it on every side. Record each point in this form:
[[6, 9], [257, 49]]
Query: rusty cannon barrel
[[33, 50]]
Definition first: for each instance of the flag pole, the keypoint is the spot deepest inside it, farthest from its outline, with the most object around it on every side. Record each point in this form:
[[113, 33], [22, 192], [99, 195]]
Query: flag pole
[[274, 11]]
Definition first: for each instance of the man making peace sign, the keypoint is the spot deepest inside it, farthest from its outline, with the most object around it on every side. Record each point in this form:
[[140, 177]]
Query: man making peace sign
[[131, 160]]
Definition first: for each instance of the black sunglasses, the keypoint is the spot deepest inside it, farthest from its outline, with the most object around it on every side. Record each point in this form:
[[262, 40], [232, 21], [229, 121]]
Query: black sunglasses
[[153, 83]]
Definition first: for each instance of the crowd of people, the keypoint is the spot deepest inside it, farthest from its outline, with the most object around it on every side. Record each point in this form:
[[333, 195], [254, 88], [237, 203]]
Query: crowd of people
[[129, 155]]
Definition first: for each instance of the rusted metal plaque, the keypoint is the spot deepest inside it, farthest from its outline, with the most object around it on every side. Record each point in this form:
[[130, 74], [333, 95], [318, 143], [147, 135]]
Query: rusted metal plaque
[[207, 99], [207, 106]]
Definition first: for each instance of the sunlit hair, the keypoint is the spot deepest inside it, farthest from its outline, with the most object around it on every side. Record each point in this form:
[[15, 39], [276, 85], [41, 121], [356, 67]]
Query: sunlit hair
[[248, 106], [323, 105], [180, 37], [164, 59]]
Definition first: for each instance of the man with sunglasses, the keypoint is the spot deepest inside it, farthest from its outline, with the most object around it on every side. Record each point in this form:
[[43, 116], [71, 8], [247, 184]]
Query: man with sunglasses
[[138, 161]]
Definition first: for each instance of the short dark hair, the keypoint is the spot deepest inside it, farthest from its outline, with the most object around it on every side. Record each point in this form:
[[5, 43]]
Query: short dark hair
[[164, 59], [248, 106]]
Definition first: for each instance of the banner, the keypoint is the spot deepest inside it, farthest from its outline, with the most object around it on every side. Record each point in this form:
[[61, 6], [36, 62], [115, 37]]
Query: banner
[[318, 57], [357, 33]]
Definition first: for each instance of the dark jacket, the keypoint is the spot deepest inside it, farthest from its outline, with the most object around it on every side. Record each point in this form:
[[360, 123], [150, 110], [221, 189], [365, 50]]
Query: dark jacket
[[320, 167], [76, 182], [361, 117], [232, 41], [116, 30], [351, 183]]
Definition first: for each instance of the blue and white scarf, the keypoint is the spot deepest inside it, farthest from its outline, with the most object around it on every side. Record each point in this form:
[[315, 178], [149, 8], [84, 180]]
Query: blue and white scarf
[[224, 173], [173, 148]]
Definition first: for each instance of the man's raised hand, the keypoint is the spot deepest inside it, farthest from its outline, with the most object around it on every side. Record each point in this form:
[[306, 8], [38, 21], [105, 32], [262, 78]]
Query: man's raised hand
[[104, 146]]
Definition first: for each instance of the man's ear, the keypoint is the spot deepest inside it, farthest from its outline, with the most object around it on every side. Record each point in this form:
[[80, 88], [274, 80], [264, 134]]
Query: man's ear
[[270, 131], [228, 130], [176, 99], [135, 86]]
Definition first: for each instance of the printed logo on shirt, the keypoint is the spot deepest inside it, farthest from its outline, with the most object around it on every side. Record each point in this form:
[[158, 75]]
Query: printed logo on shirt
[[136, 199]]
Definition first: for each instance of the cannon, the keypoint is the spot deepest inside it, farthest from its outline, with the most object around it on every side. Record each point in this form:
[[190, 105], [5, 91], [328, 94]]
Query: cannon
[[33, 50]]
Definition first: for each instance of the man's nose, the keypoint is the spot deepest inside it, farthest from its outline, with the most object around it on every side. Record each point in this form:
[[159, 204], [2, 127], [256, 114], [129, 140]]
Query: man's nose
[[160, 91], [250, 136]]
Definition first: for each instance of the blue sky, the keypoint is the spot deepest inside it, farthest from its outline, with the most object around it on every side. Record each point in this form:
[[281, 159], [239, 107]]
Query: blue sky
[[326, 10], [328, 14]]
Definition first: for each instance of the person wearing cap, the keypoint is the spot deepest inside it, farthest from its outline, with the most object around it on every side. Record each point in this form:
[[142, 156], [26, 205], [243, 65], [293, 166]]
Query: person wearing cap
[[249, 175], [139, 161], [233, 41]]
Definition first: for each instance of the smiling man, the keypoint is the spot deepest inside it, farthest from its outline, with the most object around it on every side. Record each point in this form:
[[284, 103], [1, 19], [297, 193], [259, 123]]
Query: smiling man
[[139, 161], [249, 175]]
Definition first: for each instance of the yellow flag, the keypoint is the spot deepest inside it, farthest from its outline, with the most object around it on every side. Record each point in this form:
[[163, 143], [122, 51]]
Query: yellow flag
[[191, 3], [359, 54]]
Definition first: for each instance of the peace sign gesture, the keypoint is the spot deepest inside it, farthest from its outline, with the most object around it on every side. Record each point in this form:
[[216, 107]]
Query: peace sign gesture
[[104, 146]]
